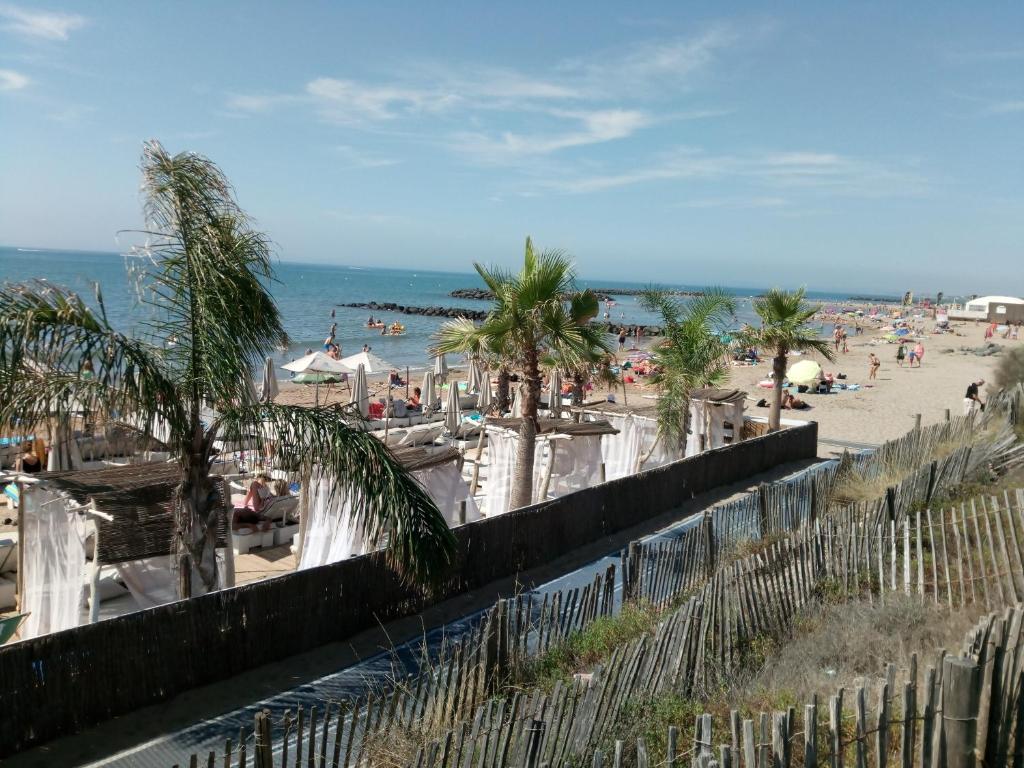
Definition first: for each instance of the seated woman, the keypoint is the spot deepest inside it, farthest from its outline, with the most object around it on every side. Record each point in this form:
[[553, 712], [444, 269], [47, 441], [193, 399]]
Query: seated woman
[[395, 380], [28, 463], [256, 500], [414, 401]]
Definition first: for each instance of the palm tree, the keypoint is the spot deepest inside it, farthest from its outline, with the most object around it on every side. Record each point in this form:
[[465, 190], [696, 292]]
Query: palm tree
[[690, 356], [205, 275], [785, 327], [536, 312]]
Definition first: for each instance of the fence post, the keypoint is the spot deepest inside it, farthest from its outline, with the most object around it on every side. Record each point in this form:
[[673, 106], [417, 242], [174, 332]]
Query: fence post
[[263, 751], [947, 414], [535, 735], [890, 503], [917, 421], [961, 695], [709, 543], [762, 508], [933, 470]]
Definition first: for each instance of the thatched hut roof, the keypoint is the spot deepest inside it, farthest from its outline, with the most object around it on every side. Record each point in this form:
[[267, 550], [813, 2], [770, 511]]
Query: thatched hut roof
[[134, 505]]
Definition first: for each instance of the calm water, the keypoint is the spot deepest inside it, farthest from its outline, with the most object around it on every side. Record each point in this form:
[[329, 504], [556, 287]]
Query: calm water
[[307, 293]]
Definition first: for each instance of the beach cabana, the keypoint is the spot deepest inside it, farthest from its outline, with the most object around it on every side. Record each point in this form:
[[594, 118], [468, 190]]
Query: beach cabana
[[329, 535], [73, 524], [567, 458], [716, 419], [637, 445]]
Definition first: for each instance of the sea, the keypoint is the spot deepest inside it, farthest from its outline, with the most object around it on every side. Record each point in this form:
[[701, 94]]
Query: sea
[[308, 293]]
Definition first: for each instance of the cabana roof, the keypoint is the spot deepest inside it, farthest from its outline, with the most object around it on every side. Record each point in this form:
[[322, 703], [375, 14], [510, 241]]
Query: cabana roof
[[414, 458], [646, 408], [558, 426], [134, 507], [719, 396]]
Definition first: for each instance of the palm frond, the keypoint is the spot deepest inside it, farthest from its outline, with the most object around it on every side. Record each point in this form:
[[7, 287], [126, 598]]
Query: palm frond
[[387, 502]]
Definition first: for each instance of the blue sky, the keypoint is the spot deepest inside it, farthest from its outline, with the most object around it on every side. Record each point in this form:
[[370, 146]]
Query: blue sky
[[853, 146]]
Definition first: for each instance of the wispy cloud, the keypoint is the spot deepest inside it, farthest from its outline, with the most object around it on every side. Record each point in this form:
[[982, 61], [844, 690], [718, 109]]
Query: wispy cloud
[[1008, 107], [822, 172], [354, 158], [12, 81], [734, 202], [514, 113], [44, 25], [594, 128]]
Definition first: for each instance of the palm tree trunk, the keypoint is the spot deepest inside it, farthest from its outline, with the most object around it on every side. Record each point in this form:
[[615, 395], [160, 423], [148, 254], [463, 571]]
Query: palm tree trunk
[[522, 486], [197, 519], [775, 414], [577, 395], [503, 390]]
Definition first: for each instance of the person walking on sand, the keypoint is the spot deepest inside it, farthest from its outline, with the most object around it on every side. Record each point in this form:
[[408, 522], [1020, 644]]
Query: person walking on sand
[[846, 347], [901, 354], [873, 365], [837, 336], [972, 401], [919, 353]]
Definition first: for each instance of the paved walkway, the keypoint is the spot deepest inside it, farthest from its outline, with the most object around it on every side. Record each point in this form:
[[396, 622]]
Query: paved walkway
[[198, 721]]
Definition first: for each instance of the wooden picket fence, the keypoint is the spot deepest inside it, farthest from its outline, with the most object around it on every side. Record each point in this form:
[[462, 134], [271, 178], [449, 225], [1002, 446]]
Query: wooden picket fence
[[715, 604]]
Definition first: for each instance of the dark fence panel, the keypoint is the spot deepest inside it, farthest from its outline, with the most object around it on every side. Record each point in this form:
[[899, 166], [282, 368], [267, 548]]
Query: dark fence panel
[[66, 681]]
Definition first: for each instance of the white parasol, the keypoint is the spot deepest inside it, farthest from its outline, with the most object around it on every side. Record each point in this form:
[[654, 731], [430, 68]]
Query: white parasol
[[428, 395], [453, 413], [441, 369], [361, 392], [473, 379], [268, 387]]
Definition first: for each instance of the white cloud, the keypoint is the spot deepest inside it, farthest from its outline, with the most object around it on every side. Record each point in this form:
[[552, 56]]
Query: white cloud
[[822, 172], [357, 159], [734, 202], [11, 80], [1009, 107], [594, 128], [346, 101], [40, 24]]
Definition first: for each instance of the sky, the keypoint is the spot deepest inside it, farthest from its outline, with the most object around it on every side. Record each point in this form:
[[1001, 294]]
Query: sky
[[846, 146]]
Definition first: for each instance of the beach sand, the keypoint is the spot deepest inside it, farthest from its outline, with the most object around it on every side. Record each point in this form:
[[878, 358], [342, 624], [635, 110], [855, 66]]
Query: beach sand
[[881, 410]]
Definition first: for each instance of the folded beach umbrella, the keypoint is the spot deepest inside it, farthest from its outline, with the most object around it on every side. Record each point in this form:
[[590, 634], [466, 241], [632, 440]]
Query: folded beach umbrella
[[428, 395], [805, 372], [361, 392], [516, 410], [486, 398], [555, 393], [473, 380], [453, 414], [441, 369], [268, 386]]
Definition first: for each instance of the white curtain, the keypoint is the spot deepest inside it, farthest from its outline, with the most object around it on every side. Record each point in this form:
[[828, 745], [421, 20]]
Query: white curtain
[[153, 581], [448, 489], [501, 456], [636, 436], [698, 426], [330, 534], [577, 464], [54, 563]]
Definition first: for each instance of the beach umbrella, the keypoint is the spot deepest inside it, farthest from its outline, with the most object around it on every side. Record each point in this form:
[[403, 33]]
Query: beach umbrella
[[453, 413], [370, 362], [317, 362], [64, 451], [428, 396], [268, 387], [806, 372], [473, 380], [903, 332], [486, 398], [441, 369], [361, 392], [555, 393]]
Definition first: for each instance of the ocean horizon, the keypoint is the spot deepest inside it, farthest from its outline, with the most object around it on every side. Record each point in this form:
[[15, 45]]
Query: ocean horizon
[[307, 293]]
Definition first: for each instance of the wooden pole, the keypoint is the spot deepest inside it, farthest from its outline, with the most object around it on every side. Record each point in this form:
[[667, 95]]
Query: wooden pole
[[917, 421], [94, 574], [961, 693], [552, 442]]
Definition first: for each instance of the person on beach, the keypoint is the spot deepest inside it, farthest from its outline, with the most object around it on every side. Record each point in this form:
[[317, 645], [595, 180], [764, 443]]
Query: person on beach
[[28, 463], [257, 498], [919, 353], [837, 336], [972, 400], [873, 365], [622, 339], [901, 354], [414, 401], [846, 347]]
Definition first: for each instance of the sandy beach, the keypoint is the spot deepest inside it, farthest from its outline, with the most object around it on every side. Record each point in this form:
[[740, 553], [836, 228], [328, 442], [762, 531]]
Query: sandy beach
[[880, 410]]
